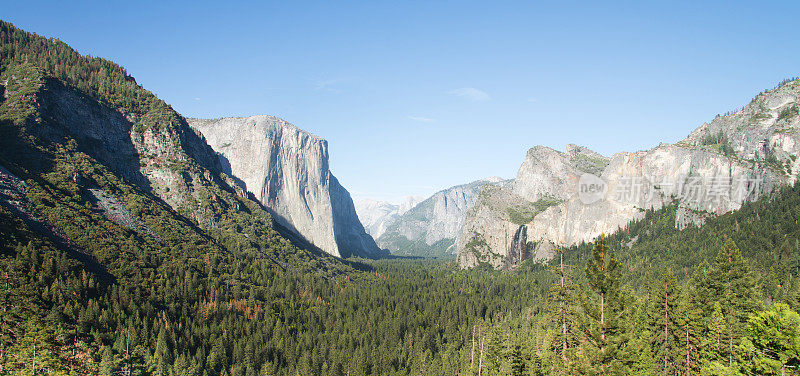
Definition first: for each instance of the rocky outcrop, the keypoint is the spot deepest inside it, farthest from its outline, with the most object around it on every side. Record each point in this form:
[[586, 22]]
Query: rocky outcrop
[[116, 211], [700, 181], [493, 225], [721, 165], [287, 170], [764, 130], [547, 173], [431, 227], [160, 154], [153, 148]]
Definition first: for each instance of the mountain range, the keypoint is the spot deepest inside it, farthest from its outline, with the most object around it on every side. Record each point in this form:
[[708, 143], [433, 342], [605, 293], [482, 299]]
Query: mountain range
[[431, 226], [376, 215], [200, 168], [721, 165]]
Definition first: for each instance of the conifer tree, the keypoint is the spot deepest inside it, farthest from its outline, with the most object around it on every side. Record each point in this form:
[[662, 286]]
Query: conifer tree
[[689, 321], [107, 362], [604, 347], [516, 360], [664, 324], [36, 351], [163, 354], [715, 339], [497, 354], [773, 343], [730, 287], [561, 314]]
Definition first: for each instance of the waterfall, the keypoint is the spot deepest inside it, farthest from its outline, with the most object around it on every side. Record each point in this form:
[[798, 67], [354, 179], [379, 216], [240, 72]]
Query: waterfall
[[519, 247]]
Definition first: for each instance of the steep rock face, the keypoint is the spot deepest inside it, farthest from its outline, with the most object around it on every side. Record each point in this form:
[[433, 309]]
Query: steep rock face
[[157, 152], [547, 173], [376, 216], [721, 165], [766, 129], [701, 181], [112, 175], [287, 170], [431, 227], [488, 227], [493, 226]]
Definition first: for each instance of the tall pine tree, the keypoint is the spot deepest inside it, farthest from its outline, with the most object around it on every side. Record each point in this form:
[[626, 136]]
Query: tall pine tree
[[604, 350], [562, 315], [664, 324], [728, 286], [689, 320]]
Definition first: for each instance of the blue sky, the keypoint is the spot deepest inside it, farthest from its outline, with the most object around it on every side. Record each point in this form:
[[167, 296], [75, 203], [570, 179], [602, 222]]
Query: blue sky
[[414, 97]]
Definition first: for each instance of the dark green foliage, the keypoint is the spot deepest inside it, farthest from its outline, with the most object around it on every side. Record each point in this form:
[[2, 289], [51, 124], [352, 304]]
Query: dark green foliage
[[524, 213], [98, 78], [727, 294], [773, 344], [664, 324], [400, 316], [561, 316], [690, 323], [605, 349], [788, 113], [718, 142]]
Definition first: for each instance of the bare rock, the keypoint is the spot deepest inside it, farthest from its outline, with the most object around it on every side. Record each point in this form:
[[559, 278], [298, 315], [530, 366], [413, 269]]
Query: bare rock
[[287, 170], [723, 164]]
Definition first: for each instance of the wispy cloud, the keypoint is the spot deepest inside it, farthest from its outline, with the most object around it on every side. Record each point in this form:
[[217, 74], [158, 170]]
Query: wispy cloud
[[329, 85], [470, 93], [422, 119], [196, 99], [532, 99]]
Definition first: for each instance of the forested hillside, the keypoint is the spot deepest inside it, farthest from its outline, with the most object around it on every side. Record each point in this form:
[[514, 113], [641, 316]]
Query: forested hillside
[[102, 273], [767, 231], [650, 299], [400, 317]]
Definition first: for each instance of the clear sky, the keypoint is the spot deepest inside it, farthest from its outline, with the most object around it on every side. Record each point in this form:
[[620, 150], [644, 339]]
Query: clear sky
[[414, 97]]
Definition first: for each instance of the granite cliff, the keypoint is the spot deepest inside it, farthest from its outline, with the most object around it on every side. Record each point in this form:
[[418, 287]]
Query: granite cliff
[[95, 164], [561, 199], [496, 222], [286, 169]]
